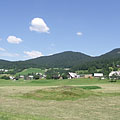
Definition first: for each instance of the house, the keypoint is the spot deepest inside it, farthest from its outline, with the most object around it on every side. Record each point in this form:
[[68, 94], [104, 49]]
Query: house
[[43, 76], [2, 70], [88, 76], [73, 75], [114, 73], [97, 75], [22, 76], [6, 70], [38, 73], [30, 77], [66, 68], [11, 77]]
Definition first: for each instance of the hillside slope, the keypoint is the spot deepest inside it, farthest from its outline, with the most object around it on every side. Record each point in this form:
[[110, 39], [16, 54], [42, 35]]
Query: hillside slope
[[65, 60]]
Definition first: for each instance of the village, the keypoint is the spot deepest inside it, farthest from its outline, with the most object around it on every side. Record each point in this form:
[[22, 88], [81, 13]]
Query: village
[[4, 74]]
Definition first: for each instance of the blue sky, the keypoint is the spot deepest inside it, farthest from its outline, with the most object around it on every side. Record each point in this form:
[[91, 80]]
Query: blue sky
[[32, 28]]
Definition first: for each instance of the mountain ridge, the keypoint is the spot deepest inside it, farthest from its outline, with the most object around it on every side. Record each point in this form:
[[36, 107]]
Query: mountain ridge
[[66, 59]]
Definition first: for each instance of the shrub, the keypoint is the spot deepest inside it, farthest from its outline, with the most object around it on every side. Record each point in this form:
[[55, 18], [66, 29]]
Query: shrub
[[5, 77]]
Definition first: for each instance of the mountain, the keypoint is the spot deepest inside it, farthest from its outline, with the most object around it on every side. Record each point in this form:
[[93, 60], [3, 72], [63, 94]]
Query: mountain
[[66, 59], [112, 54], [5, 64]]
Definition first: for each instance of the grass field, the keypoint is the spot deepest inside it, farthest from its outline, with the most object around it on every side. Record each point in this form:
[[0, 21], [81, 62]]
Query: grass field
[[76, 99], [30, 70], [52, 82]]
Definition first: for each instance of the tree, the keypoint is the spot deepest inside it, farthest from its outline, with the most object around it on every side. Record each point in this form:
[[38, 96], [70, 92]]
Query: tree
[[17, 77], [92, 70], [64, 75], [56, 73], [36, 77], [5, 77], [106, 70]]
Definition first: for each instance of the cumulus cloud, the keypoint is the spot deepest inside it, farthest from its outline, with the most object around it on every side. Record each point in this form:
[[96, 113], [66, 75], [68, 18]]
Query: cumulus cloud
[[14, 40], [33, 54], [2, 49], [79, 33], [38, 25]]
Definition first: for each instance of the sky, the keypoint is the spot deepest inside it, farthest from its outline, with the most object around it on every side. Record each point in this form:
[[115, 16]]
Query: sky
[[34, 28]]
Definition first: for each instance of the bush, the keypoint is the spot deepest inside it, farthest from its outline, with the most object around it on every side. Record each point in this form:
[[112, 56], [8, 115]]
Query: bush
[[17, 77], [36, 77], [5, 77]]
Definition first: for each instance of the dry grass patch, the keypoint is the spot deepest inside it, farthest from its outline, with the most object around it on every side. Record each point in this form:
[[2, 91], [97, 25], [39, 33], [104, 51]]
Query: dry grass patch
[[86, 108], [62, 93]]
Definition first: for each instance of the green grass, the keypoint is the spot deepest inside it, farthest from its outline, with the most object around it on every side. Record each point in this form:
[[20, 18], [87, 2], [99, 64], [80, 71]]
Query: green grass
[[67, 93], [82, 71], [30, 70], [86, 71], [90, 87], [62, 93], [52, 82]]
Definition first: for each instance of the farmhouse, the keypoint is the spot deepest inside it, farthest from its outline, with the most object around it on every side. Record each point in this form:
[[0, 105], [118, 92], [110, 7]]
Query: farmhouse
[[21, 76], [88, 76], [2, 70], [73, 75], [30, 77], [97, 75], [114, 73], [6, 70], [11, 77]]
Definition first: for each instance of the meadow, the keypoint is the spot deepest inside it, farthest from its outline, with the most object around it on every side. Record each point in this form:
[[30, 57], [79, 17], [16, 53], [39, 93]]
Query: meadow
[[30, 70], [52, 82], [74, 99]]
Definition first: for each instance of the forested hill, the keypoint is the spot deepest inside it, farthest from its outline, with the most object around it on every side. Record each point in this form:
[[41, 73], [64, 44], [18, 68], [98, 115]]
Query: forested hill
[[112, 54], [67, 59], [5, 64], [64, 59], [109, 59]]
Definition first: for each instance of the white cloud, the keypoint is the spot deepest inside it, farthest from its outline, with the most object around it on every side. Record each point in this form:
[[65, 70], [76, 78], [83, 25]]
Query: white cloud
[[14, 40], [6, 54], [2, 49], [79, 33], [51, 54], [38, 25], [33, 54]]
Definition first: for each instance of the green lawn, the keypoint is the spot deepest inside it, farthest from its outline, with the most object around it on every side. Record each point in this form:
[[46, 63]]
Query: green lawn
[[50, 82]]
